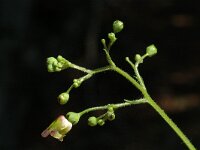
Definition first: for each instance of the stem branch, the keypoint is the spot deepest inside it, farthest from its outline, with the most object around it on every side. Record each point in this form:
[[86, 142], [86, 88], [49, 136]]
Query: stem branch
[[115, 106]]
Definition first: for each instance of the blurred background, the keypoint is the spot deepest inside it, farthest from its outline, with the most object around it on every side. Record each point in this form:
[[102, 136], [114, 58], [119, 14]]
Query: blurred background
[[32, 30]]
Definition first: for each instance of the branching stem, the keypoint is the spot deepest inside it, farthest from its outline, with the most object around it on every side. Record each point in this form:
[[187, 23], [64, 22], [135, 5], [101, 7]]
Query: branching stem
[[114, 106]]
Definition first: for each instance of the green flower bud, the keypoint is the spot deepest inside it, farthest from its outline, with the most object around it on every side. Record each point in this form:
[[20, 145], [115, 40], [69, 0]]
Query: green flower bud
[[117, 26], [60, 58], [73, 117], [51, 61], [138, 58], [76, 83], [63, 63], [112, 37], [101, 122], [103, 41], [63, 98], [92, 121], [151, 50], [110, 115]]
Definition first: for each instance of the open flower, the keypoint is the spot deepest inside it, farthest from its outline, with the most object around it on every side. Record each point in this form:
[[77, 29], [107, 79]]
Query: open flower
[[58, 129]]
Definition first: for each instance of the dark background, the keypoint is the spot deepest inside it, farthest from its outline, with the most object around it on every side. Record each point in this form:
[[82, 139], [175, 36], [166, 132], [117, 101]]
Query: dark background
[[32, 30]]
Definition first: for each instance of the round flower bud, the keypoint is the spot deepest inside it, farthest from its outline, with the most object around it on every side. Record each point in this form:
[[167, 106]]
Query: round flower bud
[[112, 37], [151, 50], [60, 58], [92, 121], [138, 58], [63, 98], [73, 117], [110, 115], [101, 122], [117, 26], [76, 83]]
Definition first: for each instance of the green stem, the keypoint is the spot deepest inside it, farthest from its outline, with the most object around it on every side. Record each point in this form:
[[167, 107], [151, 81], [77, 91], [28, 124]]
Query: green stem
[[138, 75], [128, 77], [109, 59], [115, 106], [80, 68], [157, 108], [135, 68], [102, 69], [170, 122]]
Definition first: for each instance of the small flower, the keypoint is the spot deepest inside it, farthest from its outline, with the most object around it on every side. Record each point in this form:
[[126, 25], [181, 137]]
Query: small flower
[[58, 129]]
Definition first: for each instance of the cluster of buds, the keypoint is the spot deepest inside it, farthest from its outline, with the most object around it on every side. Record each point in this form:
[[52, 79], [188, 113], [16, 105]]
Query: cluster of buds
[[109, 115], [57, 64]]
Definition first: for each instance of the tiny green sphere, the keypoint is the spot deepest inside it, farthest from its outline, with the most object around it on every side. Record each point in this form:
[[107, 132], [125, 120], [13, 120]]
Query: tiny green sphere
[[151, 50], [111, 116], [92, 121], [73, 117], [101, 122], [76, 83], [112, 37], [138, 58], [117, 26], [63, 98]]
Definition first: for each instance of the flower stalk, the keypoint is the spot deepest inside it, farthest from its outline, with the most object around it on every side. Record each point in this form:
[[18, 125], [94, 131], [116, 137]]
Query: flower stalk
[[61, 126]]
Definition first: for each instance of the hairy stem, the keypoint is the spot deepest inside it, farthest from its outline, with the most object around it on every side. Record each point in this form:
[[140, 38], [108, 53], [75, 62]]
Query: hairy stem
[[157, 108], [114, 106], [177, 130]]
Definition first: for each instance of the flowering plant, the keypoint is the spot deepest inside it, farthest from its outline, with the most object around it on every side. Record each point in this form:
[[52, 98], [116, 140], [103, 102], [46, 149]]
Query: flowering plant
[[61, 126]]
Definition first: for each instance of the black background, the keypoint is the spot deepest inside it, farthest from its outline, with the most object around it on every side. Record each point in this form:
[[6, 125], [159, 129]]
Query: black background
[[32, 30]]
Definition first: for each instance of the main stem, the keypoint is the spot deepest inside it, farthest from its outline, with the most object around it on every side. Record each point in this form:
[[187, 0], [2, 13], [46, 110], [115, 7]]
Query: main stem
[[170, 122], [157, 108]]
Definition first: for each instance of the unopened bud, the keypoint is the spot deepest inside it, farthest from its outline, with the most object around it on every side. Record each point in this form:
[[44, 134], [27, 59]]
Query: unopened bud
[[112, 37], [63, 98], [151, 50], [73, 117], [76, 83], [92, 121], [51, 61], [117, 26], [101, 122], [138, 58]]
